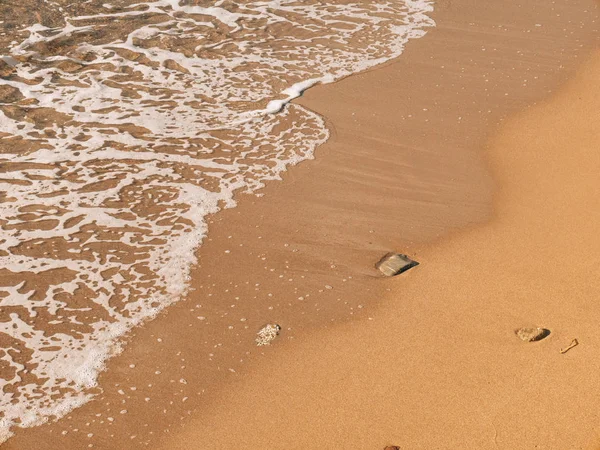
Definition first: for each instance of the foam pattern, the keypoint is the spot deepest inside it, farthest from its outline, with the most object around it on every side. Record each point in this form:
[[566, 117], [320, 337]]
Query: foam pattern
[[122, 127]]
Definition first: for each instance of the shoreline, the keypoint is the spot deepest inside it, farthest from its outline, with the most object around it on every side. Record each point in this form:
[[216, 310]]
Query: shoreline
[[439, 364], [313, 230]]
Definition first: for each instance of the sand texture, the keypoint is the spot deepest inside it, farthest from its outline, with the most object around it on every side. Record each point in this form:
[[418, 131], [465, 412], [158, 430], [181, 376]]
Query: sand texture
[[476, 154], [439, 365]]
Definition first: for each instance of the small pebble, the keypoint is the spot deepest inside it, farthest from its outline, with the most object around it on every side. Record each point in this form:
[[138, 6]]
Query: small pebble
[[394, 264], [532, 334], [266, 334]]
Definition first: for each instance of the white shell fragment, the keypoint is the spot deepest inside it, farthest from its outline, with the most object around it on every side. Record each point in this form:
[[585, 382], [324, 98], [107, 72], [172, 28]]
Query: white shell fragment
[[266, 334]]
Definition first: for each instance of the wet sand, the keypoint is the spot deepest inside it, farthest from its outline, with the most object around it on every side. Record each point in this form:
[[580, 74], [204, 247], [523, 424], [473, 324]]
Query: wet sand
[[438, 363]]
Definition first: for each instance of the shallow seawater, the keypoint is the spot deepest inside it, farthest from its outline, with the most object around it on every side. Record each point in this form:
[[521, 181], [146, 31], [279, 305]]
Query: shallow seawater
[[123, 125]]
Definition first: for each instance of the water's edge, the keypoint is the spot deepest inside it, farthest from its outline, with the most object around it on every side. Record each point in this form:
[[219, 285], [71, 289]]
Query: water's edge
[[40, 240]]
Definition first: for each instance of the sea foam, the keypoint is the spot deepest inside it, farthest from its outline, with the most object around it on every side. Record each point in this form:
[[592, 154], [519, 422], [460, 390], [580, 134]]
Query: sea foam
[[122, 127]]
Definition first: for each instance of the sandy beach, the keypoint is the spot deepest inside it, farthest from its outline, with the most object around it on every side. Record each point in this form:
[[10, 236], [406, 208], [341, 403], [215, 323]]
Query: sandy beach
[[475, 153], [438, 364]]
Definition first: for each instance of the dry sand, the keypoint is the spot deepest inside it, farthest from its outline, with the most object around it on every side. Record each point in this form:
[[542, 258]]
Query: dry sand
[[438, 366]]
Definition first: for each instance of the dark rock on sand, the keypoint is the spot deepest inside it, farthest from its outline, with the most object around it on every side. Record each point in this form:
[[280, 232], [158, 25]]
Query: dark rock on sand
[[394, 264], [532, 334], [392, 447]]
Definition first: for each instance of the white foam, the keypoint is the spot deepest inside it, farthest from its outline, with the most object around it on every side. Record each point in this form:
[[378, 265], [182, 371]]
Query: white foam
[[167, 127]]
